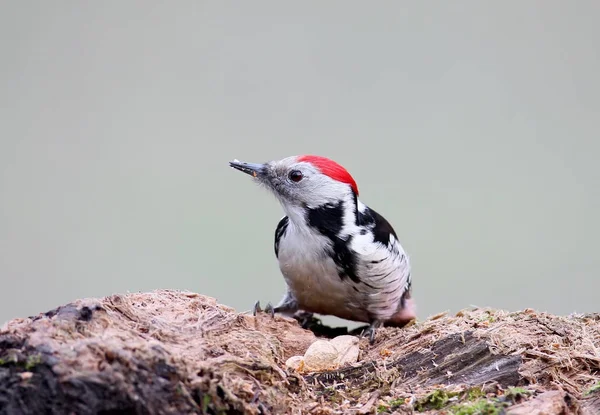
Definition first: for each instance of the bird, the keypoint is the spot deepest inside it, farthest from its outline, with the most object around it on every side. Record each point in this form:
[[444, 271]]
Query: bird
[[338, 256]]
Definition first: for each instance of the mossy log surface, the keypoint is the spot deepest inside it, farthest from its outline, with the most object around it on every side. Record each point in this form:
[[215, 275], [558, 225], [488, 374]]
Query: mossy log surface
[[178, 352]]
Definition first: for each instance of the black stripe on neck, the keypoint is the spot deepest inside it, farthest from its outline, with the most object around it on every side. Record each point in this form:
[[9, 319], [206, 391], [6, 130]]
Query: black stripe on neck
[[329, 221]]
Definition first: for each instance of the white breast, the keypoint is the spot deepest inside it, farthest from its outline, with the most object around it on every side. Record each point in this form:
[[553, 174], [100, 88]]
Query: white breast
[[313, 280]]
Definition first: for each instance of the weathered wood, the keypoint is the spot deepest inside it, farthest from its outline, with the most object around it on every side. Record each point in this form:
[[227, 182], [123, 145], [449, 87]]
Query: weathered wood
[[457, 359], [170, 352]]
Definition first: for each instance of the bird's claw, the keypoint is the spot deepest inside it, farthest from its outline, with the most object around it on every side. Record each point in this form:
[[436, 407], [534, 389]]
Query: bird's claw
[[370, 332], [268, 309], [306, 319], [256, 308]]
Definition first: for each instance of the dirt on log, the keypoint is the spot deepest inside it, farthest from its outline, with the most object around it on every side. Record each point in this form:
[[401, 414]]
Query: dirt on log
[[174, 352]]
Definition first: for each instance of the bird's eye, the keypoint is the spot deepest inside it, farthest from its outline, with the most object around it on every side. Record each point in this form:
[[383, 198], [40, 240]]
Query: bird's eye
[[295, 176]]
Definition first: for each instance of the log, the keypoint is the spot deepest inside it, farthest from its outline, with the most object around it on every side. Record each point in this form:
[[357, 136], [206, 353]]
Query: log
[[179, 352]]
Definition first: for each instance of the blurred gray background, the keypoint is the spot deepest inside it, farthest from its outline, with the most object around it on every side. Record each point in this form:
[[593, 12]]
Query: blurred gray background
[[472, 126]]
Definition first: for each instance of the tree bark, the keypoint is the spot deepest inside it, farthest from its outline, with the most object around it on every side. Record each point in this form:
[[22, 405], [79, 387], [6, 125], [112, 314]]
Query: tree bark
[[173, 352]]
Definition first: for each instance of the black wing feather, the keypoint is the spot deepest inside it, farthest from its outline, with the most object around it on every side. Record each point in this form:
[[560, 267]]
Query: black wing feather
[[279, 232]]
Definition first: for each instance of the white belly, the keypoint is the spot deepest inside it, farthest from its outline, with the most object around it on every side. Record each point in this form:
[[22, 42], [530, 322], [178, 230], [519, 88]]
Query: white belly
[[317, 288]]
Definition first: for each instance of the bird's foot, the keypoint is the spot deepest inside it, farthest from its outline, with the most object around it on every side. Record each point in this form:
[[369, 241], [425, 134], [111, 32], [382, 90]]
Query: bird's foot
[[370, 331], [306, 319], [268, 309]]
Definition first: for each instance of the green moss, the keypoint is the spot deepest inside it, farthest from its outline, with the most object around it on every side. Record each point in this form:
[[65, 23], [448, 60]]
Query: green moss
[[517, 391], [331, 394], [33, 361], [397, 402], [473, 402], [8, 359], [480, 407], [205, 403], [487, 316], [354, 393], [435, 400], [593, 389], [474, 394], [29, 363], [391, 405], [516, 394]]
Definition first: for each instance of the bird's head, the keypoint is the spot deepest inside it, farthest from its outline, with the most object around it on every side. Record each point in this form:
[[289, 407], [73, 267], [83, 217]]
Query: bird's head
[[303, 181]]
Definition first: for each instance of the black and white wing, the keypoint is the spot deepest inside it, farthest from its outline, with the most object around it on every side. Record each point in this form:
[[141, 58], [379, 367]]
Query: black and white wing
[[382, 264]]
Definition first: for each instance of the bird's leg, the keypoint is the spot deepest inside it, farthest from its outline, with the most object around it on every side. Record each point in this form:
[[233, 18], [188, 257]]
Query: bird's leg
[[370, 331], [268, 309], [287, 305], [305, 319]]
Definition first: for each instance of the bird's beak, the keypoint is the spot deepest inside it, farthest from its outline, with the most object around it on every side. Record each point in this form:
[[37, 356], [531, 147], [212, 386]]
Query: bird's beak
[[253, 169]]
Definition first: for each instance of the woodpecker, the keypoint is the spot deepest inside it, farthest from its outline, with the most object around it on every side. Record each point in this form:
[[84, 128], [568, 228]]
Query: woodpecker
[[338, 256]]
